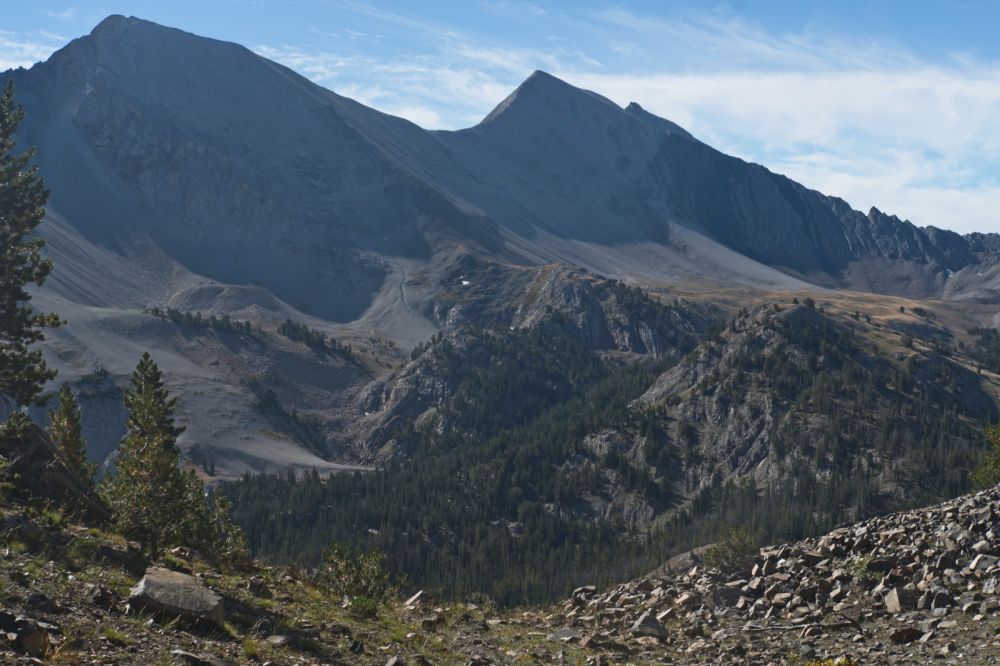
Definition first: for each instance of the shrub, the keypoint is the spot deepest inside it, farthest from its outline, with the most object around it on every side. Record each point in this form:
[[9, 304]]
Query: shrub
[[360, 576], [987, 474], [364, 607], [735, 552]]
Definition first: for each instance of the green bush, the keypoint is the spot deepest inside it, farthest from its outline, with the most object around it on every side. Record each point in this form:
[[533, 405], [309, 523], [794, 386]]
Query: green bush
[[987, 474], [364, 607], [735, 552], [360, 576]]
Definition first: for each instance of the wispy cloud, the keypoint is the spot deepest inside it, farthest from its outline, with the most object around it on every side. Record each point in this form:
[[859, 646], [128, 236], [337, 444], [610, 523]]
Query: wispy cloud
[[438, 75], [17, 50], [416, 88], [63, 15], [387, 17]]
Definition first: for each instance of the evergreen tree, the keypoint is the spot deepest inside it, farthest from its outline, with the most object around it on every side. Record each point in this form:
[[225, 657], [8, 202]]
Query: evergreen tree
[[23, 372], [153, 500], [149, 494], [64, 426], [225, 541]]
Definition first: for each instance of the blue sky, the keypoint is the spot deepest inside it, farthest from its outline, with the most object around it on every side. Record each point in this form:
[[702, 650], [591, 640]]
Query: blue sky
[[893, 104]]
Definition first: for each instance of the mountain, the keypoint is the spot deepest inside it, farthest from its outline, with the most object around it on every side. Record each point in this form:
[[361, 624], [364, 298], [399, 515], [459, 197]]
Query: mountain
[[193, 174], [591, 331]]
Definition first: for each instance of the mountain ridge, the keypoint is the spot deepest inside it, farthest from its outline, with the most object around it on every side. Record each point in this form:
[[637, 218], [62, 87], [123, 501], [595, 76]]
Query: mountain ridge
[[190, 173]]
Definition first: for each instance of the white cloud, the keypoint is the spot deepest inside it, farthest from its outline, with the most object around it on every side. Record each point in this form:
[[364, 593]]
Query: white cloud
[[63, 15], [23, 51]]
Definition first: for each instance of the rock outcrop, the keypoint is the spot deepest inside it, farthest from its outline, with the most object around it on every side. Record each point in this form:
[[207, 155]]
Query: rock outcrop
[[36, 471]]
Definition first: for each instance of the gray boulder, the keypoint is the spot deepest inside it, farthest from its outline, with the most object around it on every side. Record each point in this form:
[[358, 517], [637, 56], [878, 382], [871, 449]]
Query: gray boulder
[[177, 595], [648, 625]]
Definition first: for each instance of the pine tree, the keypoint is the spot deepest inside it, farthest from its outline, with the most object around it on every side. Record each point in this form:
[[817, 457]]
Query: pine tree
[[153, 500], [23, 371], [149, 495], [64, 426]]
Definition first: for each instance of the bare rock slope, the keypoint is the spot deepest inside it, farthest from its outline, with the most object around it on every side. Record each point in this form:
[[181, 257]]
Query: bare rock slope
[[905, 587]]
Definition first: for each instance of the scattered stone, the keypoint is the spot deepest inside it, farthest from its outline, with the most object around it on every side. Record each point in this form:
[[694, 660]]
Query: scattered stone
[[905, 635], [20, 578], [432, 622], [918, 567], [648, 625], [198, 659], [257, 587], [42, 603], [101, 596]]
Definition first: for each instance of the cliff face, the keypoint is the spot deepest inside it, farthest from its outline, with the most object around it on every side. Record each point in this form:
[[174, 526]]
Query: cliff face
[[785, 395]]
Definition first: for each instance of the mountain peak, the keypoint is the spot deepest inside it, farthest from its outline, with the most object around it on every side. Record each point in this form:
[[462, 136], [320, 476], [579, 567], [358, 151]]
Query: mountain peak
[[112, 22], [542, 79], [129, 43], [117, 24], [544, 93]]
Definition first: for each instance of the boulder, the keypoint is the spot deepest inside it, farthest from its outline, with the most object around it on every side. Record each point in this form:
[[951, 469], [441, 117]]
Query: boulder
[[280, 640], [42, 603], [177, 595], [905, 635], [898, 600], [648, 625], [565, 634], [983, 562], [30, 638]]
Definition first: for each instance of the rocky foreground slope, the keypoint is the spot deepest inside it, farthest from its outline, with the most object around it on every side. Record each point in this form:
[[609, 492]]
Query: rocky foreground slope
[[901, 588], [919, 585]]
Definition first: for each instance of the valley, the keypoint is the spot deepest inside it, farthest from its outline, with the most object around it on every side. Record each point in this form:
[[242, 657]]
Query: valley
[[569, 346]]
